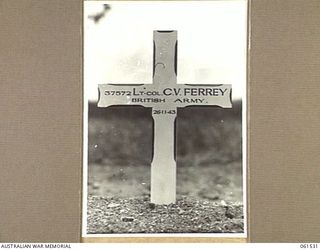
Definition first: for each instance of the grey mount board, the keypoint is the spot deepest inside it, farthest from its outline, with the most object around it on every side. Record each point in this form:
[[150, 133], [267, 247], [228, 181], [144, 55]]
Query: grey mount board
[[284, 50]]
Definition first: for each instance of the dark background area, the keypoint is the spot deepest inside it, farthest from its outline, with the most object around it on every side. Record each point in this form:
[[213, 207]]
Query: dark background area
[[123, 135]]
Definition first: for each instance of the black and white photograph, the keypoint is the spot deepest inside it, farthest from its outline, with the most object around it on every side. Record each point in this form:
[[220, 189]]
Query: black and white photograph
[[164, 118]]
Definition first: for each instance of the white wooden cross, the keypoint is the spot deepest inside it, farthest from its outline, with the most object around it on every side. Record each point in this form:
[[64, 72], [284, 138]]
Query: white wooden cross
[[164, 96]]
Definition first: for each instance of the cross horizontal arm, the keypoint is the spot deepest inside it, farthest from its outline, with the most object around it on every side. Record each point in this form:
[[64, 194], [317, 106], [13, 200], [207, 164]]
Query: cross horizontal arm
[[165, 96]]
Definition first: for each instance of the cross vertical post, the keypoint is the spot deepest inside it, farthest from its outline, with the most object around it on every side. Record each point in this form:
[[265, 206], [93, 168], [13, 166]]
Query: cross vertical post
[[163, 166]]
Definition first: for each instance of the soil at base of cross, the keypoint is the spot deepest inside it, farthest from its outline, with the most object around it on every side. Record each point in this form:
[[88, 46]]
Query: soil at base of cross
[[138, 215]]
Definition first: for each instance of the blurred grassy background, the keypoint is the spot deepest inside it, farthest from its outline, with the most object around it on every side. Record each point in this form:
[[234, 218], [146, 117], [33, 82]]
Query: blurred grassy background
[[205, 135]]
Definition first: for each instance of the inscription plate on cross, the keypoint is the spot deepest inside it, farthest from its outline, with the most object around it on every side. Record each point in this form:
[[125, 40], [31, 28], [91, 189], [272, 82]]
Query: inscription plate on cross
[[164, 96]]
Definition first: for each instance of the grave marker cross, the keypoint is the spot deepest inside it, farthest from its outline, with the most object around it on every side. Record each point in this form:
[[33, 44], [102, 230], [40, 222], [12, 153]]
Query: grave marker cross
[[164, 96]]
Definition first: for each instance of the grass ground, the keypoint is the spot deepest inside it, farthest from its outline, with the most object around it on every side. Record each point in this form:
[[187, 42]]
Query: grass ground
[[137, 215]]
